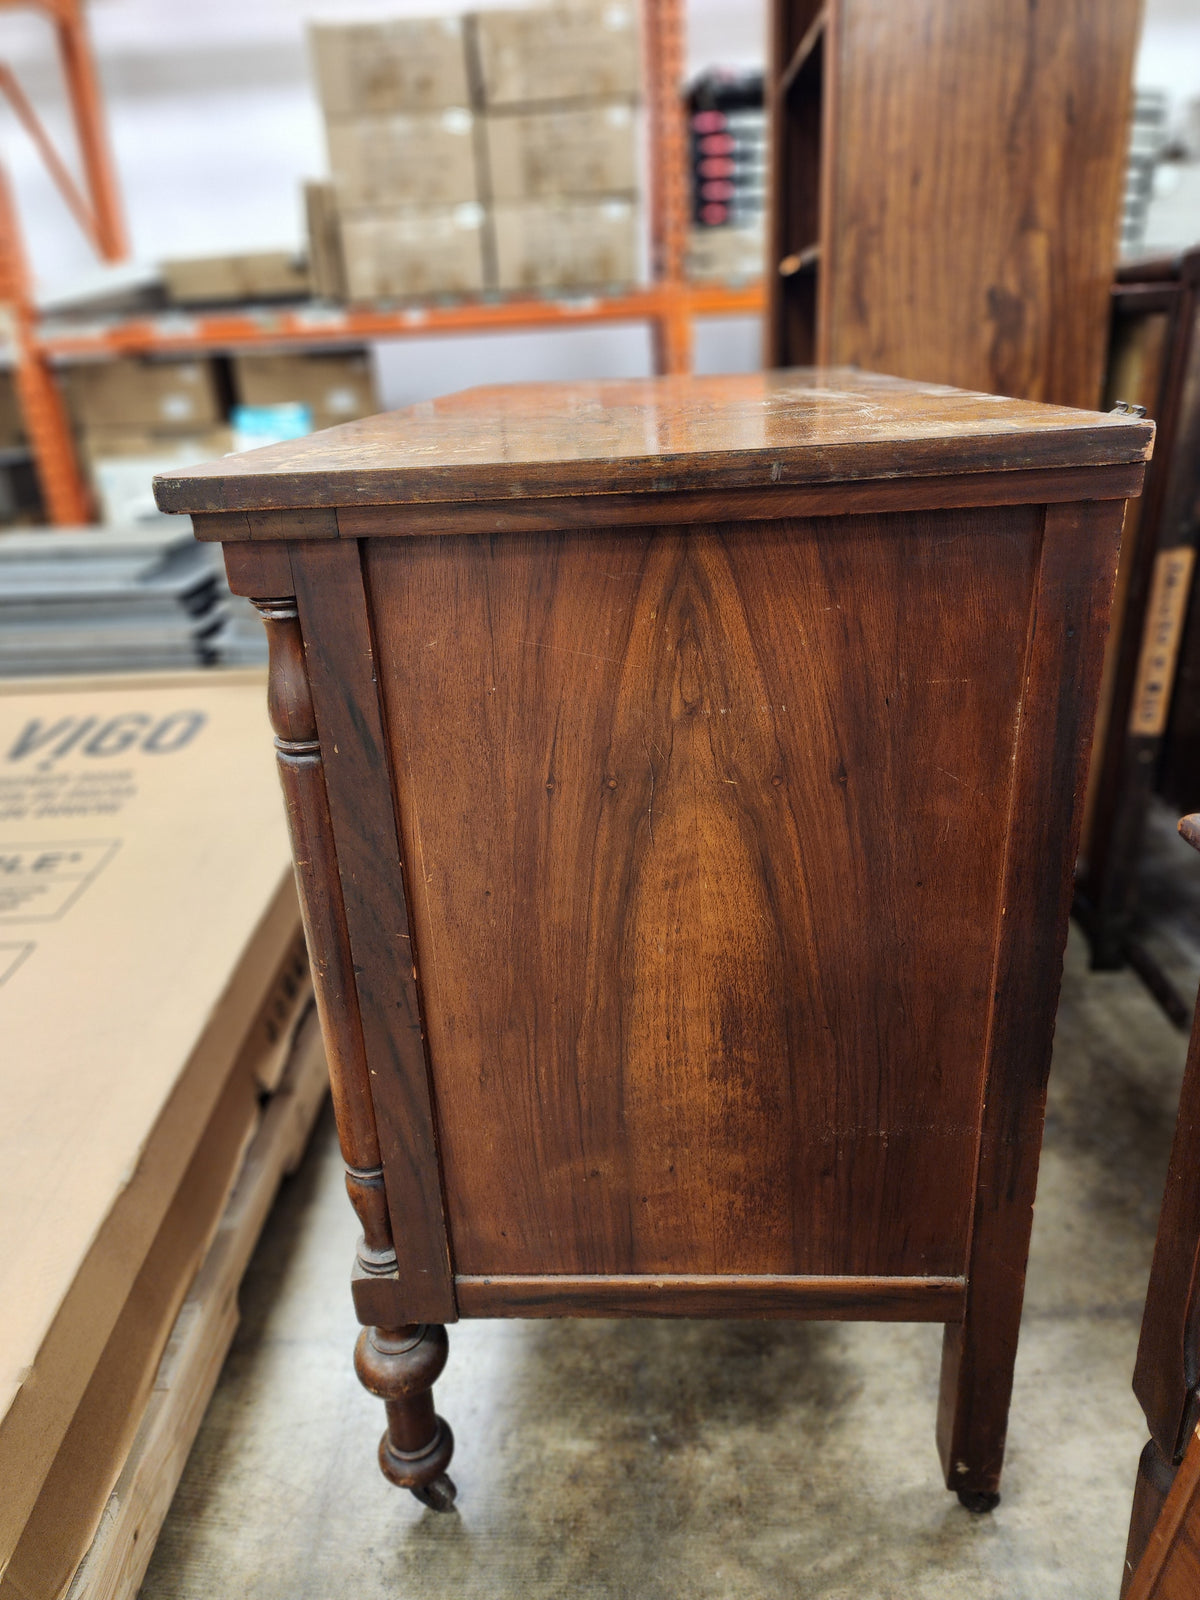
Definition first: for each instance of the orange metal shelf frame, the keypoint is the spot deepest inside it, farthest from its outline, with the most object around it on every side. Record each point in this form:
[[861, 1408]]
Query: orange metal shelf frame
[[318, 323], [668, 304]]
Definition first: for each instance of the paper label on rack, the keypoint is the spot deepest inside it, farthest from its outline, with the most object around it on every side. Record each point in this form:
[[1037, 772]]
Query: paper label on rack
[[1165, 610]]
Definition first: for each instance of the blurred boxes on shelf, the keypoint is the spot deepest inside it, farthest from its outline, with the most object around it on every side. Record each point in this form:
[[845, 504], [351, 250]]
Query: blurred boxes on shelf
[[216, 280], [255, 426], [335, 385], [138, 417], [122, 465], [162, 396], [397, 255], [725, 254], [404, 64], [495, 151], [541, 54], [420, 158], [565, 244], [148, 878], [572, 151], [326, 262], [12, 423]]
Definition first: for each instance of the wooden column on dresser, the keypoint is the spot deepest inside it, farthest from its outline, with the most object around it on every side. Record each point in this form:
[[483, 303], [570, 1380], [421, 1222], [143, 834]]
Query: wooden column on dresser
[[1166, 1378], [684, 780], [403, 1345]]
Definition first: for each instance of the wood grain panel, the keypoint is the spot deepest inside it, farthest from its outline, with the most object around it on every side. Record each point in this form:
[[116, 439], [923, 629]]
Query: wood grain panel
[[705, 836], [978, 164]]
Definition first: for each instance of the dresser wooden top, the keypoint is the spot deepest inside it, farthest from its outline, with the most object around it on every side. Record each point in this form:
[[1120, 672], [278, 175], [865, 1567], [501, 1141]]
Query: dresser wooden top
[[657, 435]]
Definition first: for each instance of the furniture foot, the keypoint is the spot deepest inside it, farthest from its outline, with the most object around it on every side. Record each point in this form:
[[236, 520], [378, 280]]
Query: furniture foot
[[977, 1373], [978, 1501], [439, 1495], [401, 1365], [1155, 1476]]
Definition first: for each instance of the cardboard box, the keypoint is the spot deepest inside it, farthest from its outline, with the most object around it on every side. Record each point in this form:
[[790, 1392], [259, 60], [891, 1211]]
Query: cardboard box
[[410, 64], [99, 444], [416, 158], [580, 150], [146, 903], [336, 385], [187, 1375], [122, 465], [534, 56], [62, 1523], [97, 1445], [566, 245], [164, 396], [12, 423], [326, 264], [264, 275], [409, 254], [721, 254]]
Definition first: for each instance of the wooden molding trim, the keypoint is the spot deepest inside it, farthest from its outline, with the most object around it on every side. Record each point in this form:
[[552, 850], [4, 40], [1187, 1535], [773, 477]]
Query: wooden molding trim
[[723, 1295]]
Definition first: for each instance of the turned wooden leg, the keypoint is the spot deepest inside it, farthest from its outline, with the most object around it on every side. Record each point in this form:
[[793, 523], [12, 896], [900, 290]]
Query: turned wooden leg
[[401, 1365]]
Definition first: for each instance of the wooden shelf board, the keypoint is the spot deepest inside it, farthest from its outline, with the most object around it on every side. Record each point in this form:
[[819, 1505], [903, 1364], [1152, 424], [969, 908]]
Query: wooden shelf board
[[813, 35], [805, 260]]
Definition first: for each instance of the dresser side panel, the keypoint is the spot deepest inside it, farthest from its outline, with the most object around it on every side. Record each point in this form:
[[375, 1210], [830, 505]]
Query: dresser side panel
[[705, 832]]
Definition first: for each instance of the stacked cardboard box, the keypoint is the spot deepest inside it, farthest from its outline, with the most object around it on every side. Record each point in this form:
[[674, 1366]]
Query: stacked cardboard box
[[497, 150], [12, 424], [156, 1058], [334, 385], [559, 88], [401, 136], [219, 280], [135, 418]]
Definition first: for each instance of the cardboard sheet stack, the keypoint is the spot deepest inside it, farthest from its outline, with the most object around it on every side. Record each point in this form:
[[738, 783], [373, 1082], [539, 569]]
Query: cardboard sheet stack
[[491, 151], [160, 1072]]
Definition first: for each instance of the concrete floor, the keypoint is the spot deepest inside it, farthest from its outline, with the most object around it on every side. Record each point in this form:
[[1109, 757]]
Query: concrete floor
[[705, 1460]]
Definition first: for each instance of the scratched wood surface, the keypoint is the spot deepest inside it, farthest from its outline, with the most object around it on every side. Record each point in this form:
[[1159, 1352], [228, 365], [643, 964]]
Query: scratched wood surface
[[706, 833], [665, 435]]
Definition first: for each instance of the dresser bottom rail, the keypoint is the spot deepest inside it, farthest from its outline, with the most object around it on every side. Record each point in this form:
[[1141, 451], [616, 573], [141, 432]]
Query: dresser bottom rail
[[834, 1299]]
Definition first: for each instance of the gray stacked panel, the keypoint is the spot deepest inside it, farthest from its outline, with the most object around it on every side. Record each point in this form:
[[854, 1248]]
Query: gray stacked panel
[[118, 600]]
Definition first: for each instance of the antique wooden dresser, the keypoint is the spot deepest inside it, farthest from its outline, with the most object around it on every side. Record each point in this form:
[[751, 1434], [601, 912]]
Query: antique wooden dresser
[[683, 778]]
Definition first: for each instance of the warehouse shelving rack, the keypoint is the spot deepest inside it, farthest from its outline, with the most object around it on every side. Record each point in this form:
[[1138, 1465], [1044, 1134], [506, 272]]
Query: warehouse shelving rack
[[667, 304]]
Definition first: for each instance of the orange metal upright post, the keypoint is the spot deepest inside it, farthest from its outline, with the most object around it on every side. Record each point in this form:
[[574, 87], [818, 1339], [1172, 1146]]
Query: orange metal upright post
[[98, 213], [40, 399], [664, 44], [79, 69]]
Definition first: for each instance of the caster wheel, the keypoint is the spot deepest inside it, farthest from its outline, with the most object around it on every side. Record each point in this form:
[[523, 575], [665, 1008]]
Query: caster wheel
[[978, 1501], [438, 1495]]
